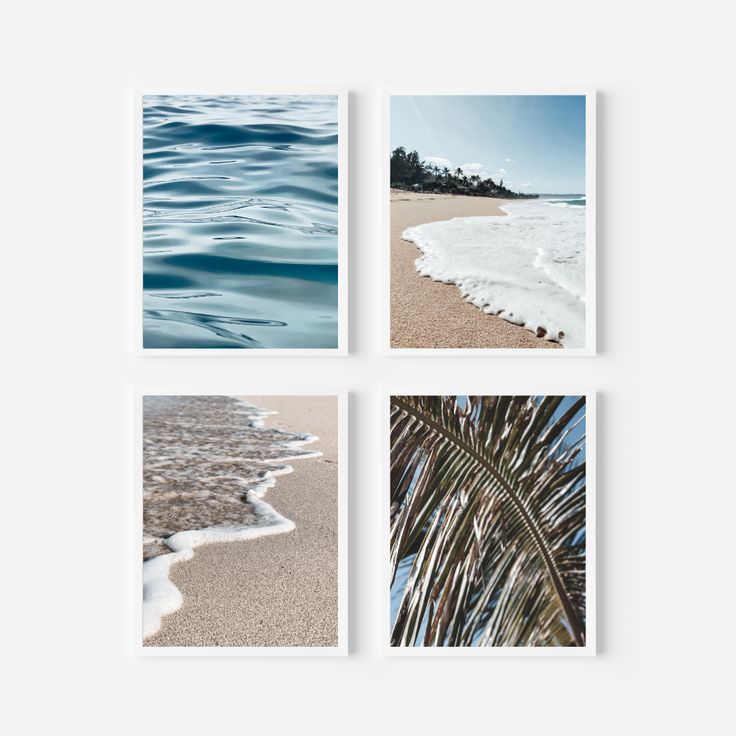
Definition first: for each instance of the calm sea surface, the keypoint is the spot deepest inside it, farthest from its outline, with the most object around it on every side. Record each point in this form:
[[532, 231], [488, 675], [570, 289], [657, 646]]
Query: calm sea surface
[[240, 221]]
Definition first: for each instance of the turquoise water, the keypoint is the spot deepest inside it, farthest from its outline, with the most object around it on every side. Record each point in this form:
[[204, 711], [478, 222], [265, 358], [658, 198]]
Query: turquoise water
[[569, 200], [240, 221]]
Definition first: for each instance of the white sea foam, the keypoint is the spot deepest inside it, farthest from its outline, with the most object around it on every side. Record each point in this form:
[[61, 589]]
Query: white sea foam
[[160, 596], [255, 416], [527, 267]]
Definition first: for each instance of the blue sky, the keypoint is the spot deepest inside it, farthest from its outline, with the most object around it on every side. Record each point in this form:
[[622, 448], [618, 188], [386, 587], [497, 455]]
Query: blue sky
[[535, 143]]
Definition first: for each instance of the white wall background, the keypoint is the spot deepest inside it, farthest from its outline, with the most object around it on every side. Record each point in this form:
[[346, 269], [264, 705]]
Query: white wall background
[[666, 488]]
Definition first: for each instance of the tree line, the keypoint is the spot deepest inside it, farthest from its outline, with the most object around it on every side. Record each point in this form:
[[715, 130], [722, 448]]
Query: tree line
[[409, 171]]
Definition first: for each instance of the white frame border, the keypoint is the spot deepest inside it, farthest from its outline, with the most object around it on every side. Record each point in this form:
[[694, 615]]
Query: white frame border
[[590, 223], [342, 648], [589, 650], [137, 94]]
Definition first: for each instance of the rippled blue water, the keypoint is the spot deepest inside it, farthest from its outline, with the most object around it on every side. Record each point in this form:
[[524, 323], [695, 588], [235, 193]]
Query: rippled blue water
[[240, 221]]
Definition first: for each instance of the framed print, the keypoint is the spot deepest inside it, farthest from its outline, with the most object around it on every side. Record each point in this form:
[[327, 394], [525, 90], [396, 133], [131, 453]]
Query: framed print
[[489, 223], [243, 217], [242, 516], [489, 514]]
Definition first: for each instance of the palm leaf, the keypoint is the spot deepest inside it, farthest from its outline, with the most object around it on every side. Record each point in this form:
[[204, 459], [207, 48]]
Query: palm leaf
[[488, 512]]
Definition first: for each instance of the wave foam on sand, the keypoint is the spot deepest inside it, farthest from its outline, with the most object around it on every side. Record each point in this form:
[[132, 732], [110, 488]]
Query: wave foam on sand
[[160, 596], [527, 268]]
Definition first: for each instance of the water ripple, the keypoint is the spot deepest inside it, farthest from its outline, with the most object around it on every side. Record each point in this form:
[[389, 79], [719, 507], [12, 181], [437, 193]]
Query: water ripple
[[213, 323], [250, 233]]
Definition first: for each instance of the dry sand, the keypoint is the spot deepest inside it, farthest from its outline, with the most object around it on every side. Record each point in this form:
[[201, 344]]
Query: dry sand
[[427, 313], [280, 590]]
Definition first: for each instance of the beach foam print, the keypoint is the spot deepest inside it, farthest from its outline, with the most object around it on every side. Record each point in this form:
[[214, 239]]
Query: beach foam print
[[208, 462], [494, 194]]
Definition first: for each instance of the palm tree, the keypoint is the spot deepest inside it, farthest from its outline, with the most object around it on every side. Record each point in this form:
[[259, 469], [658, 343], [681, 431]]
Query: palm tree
[[408, 170], [488, 520]]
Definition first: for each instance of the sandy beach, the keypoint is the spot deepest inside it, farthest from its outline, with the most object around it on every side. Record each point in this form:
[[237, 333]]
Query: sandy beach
[[280, 590], [430, 314]]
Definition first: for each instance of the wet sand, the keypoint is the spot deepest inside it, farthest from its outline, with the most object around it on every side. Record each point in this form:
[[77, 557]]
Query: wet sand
[[430, 314], [280, 590]]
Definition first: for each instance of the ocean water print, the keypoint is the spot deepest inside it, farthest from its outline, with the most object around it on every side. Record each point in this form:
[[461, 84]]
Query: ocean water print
[[240, 221]]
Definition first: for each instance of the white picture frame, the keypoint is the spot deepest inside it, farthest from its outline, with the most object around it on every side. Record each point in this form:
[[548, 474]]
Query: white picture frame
[[136, 103], [385, 219], [589, 650], [136, 484]]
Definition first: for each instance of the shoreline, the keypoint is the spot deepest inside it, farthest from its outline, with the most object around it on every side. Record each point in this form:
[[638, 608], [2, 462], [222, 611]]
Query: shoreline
[[161, 597], [274, 589], [430, 314]]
